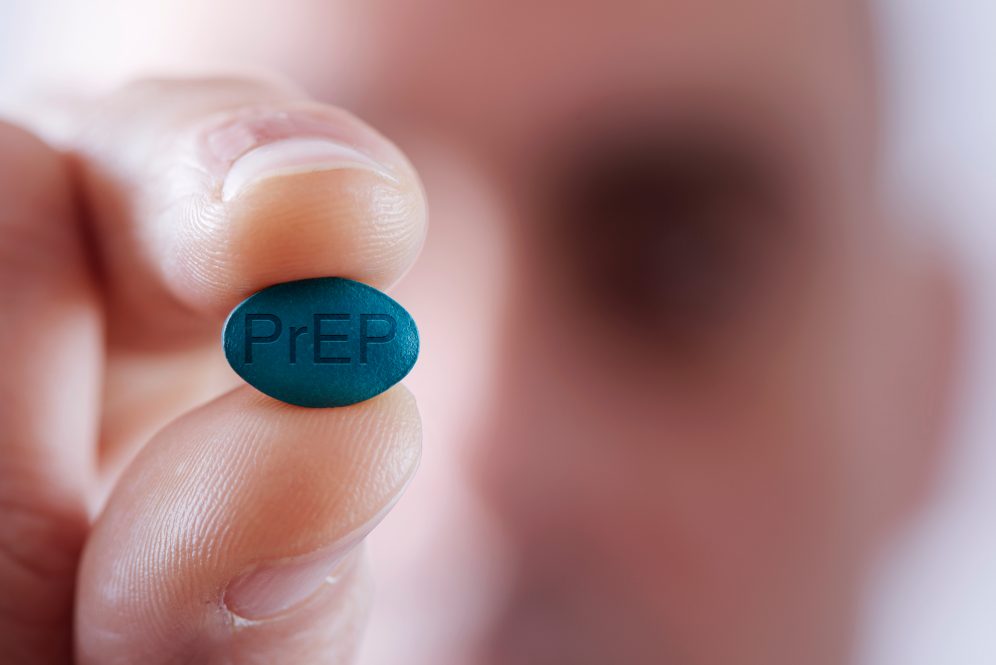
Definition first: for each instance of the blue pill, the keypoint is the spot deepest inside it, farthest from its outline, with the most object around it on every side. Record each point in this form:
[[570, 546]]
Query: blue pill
[[320, 342]]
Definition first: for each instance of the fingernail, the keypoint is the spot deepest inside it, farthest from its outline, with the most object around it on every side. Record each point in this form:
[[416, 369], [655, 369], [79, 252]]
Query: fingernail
[[295, 155], [274, 587]]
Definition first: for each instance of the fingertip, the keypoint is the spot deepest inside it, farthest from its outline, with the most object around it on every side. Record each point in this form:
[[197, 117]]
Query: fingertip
[[203, 192], [345, 222], [300, 190], [243, 507]]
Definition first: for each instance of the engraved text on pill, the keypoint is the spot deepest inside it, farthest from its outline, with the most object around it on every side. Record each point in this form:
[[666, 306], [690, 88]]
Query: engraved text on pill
[[333, 343]]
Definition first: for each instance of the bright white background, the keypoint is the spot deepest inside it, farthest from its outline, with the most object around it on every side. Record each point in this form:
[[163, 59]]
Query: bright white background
[[936, 604]]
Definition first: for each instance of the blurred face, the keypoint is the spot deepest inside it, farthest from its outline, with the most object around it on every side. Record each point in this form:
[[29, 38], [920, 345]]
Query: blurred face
[[719, 363]]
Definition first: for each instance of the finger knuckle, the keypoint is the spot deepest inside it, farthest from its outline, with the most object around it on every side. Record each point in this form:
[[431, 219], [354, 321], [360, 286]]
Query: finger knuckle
[[39, 551], [35, 203]]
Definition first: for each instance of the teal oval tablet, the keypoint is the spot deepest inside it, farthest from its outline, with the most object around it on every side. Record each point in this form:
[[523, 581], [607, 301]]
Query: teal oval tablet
[[320, 342]]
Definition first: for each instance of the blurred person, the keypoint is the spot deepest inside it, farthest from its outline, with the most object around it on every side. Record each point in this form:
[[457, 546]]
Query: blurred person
[[715, 366]]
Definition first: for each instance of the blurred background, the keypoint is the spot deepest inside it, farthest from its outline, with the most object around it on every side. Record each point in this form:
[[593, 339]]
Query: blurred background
[[934, 598]]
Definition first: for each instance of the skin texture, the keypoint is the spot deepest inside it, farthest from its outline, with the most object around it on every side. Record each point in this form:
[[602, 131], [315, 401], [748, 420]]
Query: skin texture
[[281, 481], [711, 371]]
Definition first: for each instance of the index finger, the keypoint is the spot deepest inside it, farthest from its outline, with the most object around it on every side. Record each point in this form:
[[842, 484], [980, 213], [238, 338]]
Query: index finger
[[202, 192]]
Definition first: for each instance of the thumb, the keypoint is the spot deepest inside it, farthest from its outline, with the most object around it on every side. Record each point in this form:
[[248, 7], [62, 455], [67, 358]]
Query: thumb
[[232, 537]]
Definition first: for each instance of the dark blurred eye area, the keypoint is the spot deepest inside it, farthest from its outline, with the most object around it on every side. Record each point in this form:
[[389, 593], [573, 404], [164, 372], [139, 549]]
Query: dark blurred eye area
[[668, 234]]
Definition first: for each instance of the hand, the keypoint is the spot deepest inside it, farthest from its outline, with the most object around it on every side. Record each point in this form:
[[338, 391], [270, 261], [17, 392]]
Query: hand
[[232, 534]]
